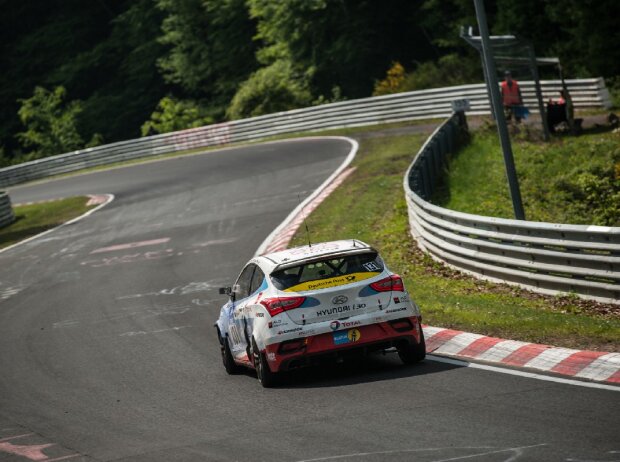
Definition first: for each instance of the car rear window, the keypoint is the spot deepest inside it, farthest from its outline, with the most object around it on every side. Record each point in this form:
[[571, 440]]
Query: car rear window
[[327, 268]]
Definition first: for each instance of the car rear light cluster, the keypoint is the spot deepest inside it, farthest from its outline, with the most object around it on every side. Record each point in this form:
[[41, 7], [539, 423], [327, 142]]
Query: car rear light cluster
[[279, 305], [391, 283]]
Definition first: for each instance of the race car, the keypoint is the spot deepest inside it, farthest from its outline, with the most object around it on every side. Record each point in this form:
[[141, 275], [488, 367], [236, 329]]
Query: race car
[[291, 308]]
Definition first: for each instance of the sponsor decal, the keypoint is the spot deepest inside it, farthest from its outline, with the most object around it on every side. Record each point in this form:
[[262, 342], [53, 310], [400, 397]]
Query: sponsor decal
[[331, 282], [341, 309], [340, 299], [307, 332], [288, 331], [335, 325], [401, 299], [271, 356], [346, 336], [347, 324], [396, 310], [277, 322], [260, 315]]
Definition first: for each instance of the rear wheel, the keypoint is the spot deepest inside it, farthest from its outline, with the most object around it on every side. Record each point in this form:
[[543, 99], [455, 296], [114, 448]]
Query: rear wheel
[[227, 358], [411, 353], [266, 378]]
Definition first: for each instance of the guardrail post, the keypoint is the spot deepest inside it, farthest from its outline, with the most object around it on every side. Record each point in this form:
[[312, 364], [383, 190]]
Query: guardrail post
[[438, 153], [7, 216]]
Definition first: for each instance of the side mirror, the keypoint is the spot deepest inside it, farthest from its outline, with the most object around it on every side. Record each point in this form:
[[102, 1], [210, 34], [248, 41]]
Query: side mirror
[[225, 290]]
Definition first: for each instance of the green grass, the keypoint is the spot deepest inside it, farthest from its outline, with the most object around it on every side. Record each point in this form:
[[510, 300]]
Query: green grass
[[370, 206], [36, 218], [568, 180]]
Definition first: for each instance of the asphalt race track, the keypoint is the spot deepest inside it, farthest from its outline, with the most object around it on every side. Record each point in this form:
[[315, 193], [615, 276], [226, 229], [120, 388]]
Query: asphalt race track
[[107, 350]]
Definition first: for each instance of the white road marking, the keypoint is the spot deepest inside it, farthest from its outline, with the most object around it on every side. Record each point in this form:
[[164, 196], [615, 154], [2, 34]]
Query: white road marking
[[529, 375], [518, 451], [75, 220]]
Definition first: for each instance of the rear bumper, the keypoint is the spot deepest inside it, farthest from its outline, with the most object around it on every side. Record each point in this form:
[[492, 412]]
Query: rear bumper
[[292, 354]]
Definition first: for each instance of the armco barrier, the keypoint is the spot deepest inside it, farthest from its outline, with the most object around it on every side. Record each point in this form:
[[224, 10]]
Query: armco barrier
[[6, 210], [424, 104], [544, 257]]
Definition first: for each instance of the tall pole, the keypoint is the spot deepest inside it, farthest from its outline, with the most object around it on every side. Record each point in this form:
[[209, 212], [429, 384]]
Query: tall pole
[[496, 101], [541, 105]]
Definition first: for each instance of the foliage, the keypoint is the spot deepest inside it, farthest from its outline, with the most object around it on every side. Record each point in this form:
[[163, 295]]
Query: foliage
[[393, 82], [449, 70], [51, 123], [172, 114], [346, 43], [569, 180], [121, 57], [278, 87], [209, 48]]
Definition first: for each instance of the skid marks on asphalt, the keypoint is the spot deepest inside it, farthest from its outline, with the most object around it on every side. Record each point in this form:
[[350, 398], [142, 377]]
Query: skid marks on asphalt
[[167, 302], [191, 288], [132, 311], [8, 291], [148, 255]]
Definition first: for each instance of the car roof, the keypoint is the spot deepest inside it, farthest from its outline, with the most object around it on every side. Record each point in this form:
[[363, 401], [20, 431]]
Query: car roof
[[300, 254]]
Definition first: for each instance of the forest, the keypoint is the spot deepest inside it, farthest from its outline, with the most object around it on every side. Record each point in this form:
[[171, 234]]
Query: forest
[[80, 73]]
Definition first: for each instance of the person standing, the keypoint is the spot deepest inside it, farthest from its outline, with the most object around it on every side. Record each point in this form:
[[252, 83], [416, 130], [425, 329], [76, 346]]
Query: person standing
[[511, 97]]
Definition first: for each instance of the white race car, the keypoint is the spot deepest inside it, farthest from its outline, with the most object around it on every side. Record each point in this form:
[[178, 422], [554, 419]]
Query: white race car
[[290, 308]]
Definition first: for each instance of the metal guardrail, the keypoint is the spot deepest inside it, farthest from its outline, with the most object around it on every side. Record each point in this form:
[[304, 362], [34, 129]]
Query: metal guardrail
[[6, 210], [544, 257], [424, 104]]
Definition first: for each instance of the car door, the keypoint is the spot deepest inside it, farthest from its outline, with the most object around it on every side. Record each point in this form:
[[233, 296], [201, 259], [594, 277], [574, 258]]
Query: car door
[[237, 329]]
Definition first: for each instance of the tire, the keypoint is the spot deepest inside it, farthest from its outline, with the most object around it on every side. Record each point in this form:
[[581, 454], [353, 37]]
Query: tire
[[265, 377], [227, 358], [413, 353]]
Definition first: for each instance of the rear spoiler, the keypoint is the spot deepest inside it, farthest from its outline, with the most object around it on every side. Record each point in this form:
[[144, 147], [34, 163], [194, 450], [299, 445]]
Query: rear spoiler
[[324, 256]]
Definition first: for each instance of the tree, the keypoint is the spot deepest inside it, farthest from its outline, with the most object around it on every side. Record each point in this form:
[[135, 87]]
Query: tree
[[50, 123], [344, 43], [209, 49]]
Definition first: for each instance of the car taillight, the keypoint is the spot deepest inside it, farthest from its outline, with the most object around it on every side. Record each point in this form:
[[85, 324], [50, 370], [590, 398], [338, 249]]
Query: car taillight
[[280, 304], [393, 282]]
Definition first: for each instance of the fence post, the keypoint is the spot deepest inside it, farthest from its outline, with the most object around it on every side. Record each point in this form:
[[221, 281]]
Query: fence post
[[7, 216]]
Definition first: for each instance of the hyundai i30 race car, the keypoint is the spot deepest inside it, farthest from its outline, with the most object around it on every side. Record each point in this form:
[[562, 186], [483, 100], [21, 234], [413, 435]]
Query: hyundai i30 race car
[[291, 308]]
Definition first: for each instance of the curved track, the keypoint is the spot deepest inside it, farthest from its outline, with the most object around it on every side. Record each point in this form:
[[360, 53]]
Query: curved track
[[107, 350]]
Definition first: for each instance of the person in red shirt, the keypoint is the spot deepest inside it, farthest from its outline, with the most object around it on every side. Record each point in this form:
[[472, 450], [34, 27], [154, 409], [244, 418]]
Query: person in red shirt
[[511, 96]]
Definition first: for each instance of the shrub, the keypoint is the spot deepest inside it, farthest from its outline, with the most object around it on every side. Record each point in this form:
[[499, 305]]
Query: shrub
[[393, 82], [173, 114], [449, 70], [277, 87]]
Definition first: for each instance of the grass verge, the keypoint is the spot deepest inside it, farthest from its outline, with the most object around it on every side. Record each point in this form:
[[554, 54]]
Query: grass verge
[[370, 206], [37, 218], [567, 180]]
